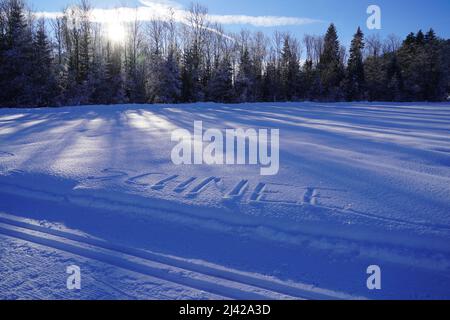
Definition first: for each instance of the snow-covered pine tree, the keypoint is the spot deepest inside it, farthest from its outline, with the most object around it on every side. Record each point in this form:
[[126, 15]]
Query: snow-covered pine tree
[[190, 75], [164, 79], [85, 49], [171, 81], [134, 66], [78, 62], [17, 56], [43, 78], [261, 70], [245, 78], [106, 77], [3, 47], [221, 84], [114, 76]]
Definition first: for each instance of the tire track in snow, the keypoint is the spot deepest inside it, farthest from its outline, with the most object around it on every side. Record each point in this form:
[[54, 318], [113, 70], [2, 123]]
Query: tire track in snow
[[219, 281]]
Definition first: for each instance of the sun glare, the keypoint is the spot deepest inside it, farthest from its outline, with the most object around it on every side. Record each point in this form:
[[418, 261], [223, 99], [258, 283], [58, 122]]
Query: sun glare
[[116, 32]]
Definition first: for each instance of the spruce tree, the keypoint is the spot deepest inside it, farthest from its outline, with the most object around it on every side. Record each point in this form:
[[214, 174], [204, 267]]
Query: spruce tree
[[134, 83], [393, 80], [374, 78], [307, 80], [113, 76], [3, 48], [17, 67], [171, 79], [221, 84], [434, 84], [331, 67], [164, 82], [355, 79], [446, 67], [190, 75], [271, 82], [411, 58], [87, 70], [85, 42], [43, 79], [245, 79], [290, 71]]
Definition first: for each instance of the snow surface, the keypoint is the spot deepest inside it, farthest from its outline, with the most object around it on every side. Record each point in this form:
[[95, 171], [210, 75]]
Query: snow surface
[[359, 184]]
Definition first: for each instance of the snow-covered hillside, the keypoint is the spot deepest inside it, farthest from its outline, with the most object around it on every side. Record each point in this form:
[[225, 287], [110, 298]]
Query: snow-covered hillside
[[358, 185]]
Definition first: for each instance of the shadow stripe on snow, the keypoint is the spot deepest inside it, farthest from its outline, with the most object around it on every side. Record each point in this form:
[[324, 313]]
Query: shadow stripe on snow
[[274, 286]]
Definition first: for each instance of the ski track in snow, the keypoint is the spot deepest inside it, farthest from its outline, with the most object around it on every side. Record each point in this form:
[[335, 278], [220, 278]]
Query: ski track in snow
[[41, 275], [227, 283], [362, 180]]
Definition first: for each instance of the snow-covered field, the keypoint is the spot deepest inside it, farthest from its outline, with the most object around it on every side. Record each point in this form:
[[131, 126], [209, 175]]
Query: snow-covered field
[[359, 185]]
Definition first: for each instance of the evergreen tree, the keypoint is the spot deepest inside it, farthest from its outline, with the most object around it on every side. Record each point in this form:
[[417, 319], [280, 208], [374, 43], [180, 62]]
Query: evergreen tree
[[134, 83], [85, 42], [206, 73], [43, 79], [330, 66], [172, 78], [78, 63], [113, 80], [290, 71], [411, 58], [374, 78], [393, 80], [221, 84], [355, 79], [446, 67], [271, 82], [3, 48], [165, 81], [307, 79], [190, 75], [245, 78], [434, 83], [16, 69], [86, 69]]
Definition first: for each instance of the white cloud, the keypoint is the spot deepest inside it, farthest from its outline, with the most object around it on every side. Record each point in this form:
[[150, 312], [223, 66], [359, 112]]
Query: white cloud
[[160, 9], [167, 3]]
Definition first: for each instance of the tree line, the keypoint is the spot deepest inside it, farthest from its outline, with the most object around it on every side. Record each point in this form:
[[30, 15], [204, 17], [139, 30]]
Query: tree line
[[71, 60]]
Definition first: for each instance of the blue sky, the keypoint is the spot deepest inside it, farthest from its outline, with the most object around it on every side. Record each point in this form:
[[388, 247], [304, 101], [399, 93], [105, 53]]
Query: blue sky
[[399, 16]]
